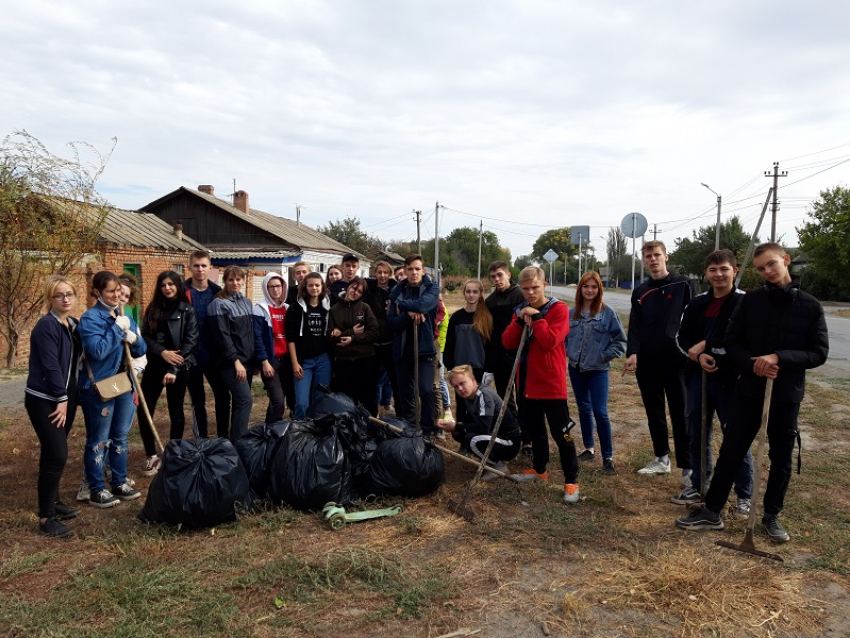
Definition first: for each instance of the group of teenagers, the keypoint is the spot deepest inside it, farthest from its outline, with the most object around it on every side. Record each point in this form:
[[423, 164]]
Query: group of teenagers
[[375, 338]]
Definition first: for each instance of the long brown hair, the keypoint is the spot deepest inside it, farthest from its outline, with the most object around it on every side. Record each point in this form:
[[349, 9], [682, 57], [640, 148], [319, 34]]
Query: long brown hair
[[482, 320], [596, 304], [231, 270]]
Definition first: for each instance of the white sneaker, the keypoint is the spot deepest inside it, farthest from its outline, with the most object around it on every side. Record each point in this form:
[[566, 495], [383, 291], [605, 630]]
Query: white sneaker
[[655, 466], [742, 508], [686, 479], [152, 465], [571, 494], [84, 494], [492, 476]]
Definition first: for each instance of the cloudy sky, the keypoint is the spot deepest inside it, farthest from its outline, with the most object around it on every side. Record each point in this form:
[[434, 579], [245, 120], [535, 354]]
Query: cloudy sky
[[527, 115]]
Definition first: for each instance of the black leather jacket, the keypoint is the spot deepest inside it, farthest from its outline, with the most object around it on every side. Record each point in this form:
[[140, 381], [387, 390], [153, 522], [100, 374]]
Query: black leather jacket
[[177, 329]]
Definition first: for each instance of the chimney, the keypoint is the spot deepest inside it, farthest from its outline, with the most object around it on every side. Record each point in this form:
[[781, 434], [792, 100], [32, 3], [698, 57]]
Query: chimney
[[207, 188], [178, 228], [240, 201]]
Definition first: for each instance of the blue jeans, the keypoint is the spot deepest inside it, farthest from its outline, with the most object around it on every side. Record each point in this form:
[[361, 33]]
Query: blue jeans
[[720, 399], [241, 401], [406, 401], [590, 390], [385, 388], [317, 371], [107, 425]]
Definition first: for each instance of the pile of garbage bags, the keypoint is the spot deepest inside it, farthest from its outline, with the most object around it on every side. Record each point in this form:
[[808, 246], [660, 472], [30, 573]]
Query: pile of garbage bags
[[335, 455]]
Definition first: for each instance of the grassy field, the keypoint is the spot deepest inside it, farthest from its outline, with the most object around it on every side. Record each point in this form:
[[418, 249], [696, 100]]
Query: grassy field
[[614, 565]]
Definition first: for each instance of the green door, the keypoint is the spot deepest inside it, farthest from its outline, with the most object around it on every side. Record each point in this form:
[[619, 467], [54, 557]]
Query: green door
[[133, 311]]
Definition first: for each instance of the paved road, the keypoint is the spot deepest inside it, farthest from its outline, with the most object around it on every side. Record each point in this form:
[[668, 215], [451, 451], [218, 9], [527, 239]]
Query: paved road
[[837, 365]]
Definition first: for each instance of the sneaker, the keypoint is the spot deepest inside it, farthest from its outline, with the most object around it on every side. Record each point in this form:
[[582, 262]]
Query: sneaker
[[742, 509], [52, 527], [686, 479], [387, 410], [448, 416], [103, 499], [701, 519], [530, 475], [440, 435], [570, 493], [125, 492], [63, 512], [608, 466], [774, 529], [490, 476], [84, 494], [686, 497], [587, 455], [655, 466], [152, 464]]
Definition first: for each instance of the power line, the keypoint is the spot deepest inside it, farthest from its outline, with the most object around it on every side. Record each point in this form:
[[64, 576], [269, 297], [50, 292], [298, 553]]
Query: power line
[[826, 150]]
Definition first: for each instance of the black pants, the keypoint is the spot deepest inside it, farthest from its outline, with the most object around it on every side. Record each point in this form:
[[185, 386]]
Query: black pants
[[656, 378], [199, 400], [503, 449], [502, 367], [557, 413], [175, 394], [406, 400], [384, 353], [280, 389], [739, 436], [358, 378], [54, 448]]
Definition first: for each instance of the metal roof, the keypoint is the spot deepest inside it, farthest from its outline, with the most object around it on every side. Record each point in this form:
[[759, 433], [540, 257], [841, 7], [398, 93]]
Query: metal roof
[[129, 228], [257, 253]]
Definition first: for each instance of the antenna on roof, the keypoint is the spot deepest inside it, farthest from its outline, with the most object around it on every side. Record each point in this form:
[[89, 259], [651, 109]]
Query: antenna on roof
[[298, 214]]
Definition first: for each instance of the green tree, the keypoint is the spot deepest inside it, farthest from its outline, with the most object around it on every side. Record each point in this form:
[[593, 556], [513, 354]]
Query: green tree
[[557, 239], [619, 257], [51, 217], [459, 252], [349, 233], [689, 255], [826, 241]]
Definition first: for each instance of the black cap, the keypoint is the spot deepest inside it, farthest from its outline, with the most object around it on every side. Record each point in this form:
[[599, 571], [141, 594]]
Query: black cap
[[350, 257]]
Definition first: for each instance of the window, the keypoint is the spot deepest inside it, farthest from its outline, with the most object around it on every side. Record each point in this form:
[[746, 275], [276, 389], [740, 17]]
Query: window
[[179, 269]]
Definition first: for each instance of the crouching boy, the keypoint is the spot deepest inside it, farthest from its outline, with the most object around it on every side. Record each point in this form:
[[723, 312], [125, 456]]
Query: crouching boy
[[483, 407]]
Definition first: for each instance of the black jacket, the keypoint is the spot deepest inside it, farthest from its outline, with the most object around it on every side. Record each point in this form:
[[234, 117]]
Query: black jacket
[[693, 329], [501, 306], [657, 306], [379, 301], [54, 356], [785, 321], [177, 329]]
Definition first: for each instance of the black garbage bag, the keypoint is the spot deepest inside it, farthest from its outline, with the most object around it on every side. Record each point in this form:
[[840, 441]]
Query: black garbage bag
[[405, 465], [256, 449], [328, 406], [310, 467], [202, 483]]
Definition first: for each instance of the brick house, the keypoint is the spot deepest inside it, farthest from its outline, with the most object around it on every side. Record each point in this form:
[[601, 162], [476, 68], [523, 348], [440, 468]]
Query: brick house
[[238, 234]]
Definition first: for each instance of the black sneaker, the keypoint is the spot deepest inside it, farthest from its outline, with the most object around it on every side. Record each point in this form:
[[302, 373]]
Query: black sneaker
[[125, 492], [103, 499], [587, 455], [52, 527], [63, 512], [687, 496], [701, 519], [608, 466], [774, 529]]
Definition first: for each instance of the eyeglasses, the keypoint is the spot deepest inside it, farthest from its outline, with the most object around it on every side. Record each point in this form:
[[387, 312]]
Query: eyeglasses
[[68, 295], [271, 287]]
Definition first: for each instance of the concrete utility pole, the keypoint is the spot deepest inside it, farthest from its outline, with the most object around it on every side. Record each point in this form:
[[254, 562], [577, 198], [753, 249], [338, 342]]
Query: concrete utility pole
[[418, 214], [480, 238], [775, 207], [717, 227], [437, 243], [655, 232]]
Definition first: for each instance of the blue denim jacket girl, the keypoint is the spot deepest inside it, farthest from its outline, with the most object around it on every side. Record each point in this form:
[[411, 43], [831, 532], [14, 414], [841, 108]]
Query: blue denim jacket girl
[[594, 341]]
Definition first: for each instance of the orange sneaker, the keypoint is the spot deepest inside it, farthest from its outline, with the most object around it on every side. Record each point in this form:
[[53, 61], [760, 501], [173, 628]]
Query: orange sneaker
[[531, 475], [570, 492]]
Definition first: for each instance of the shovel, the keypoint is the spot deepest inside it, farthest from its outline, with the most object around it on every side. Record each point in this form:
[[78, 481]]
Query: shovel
[[747, 545]]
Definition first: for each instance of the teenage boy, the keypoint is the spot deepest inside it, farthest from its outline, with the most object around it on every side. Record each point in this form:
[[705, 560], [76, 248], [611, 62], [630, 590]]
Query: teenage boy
[[299, 271], [700, 338], [378, 297], [542, 379], [483, 407], [399, 274], [657, 306], [777, 332], [350, 268], [201, 291], [414, 300]]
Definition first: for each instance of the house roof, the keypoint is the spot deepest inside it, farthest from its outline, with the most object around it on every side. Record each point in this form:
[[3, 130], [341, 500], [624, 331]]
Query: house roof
[[127, 227], [255, 253], [297, 234]]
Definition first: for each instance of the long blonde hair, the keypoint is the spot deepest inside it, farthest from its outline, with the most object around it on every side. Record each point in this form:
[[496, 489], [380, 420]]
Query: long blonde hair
[[482, 320]]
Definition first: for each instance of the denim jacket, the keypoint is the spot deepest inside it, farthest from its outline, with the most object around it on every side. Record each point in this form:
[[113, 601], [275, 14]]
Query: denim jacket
[[593, 342]]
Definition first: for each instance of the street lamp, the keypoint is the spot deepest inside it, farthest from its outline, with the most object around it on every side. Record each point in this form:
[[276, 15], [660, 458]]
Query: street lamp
[[716, 228]]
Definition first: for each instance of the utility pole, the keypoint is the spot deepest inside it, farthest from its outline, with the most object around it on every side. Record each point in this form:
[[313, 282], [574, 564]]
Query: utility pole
[[437, 243], [655, 232], [717, 227], [480, 236], [418, 214], [775, 206]]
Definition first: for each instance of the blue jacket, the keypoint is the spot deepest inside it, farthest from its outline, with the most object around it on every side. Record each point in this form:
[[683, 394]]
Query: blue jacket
[[423, 299], [593, 342], [52, 358], [103, 344]]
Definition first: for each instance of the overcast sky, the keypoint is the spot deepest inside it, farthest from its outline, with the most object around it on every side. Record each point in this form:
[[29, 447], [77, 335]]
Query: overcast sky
[[529, 115]]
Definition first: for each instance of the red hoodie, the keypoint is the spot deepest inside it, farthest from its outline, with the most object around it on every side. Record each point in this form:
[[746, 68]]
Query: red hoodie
[[546, 376]]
